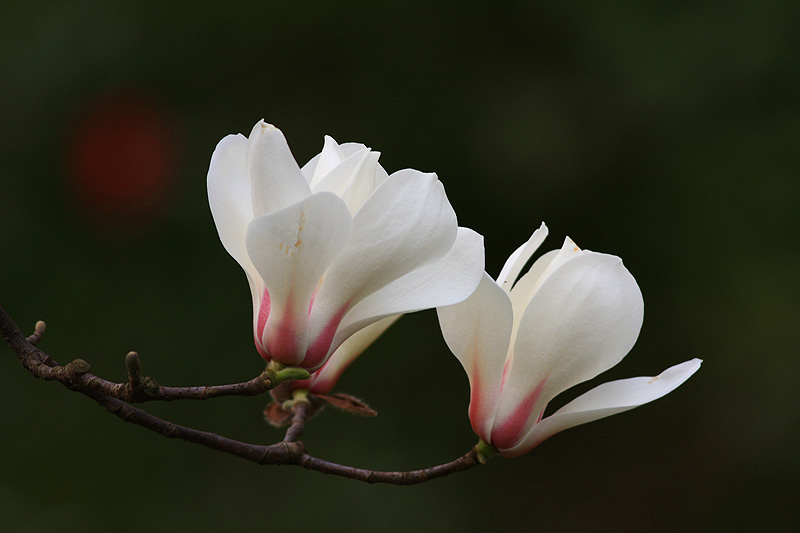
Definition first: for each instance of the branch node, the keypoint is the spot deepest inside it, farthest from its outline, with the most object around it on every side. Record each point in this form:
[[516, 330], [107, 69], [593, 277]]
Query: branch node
[[150, 386], [77, 368]]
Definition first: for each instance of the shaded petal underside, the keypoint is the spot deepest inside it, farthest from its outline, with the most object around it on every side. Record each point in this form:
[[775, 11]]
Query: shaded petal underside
[[605, 400]]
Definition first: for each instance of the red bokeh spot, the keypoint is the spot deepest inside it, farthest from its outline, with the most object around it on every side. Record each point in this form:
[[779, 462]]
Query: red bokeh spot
[[122, 158]]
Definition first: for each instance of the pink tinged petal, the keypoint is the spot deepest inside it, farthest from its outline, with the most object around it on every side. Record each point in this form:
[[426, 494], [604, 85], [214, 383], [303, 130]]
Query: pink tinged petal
[[515, 263], [606, 400], [507, 432], [291, 250], [275, 179], [478, 332], [262, 313], [320, 344], [583, 319], [448, 281], [405, 225], [323, 380], [229, 196]]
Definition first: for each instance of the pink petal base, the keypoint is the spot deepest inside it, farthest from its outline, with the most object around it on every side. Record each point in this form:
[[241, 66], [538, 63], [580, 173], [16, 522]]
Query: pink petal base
[[263, 314], [283, 346], [318, 350], [508, 433]]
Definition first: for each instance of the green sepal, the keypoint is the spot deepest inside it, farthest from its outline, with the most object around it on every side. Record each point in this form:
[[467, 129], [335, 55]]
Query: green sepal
[[484, 451], [292, 374]]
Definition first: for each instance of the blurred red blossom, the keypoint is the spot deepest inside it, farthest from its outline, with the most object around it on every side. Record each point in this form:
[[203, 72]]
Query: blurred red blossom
[[121, 156]]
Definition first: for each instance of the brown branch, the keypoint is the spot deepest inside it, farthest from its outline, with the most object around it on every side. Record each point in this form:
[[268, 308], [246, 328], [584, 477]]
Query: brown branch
[[412, 477], [300, 413], [139, 388], [279, 453], [113, 396]]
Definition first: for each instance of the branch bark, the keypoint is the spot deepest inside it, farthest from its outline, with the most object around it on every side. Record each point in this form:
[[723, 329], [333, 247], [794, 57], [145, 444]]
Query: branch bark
[[117, 397], [298, 425], [139, 388]]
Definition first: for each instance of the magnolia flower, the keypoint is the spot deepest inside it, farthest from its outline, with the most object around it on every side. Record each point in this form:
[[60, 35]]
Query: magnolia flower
[[573, 315], [335, 246], [323, 380]]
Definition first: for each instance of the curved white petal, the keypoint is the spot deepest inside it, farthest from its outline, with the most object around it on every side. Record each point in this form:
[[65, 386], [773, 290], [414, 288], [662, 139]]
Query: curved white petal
[[349, 149], [310, 167], [353, 179], [275, 179], [330, 156], [583, 319], [606, 400], [291, 249], [478, 332], [229, 197], [406, 224], [527, 286], [448, 281], [363, 183], [339, 175], [515, 262], [541, 269], [323, 380]]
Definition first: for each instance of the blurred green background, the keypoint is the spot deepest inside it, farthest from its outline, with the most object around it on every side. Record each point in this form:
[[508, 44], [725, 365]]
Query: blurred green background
[[663, 132]]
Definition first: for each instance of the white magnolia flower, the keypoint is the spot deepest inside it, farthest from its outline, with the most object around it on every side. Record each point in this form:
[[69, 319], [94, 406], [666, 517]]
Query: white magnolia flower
[[574, 315], [335, 246]]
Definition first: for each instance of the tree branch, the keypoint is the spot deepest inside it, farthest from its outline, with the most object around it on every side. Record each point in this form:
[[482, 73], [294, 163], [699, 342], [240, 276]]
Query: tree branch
[[300, 413], [116, 397], [411, 477], [139, 388]]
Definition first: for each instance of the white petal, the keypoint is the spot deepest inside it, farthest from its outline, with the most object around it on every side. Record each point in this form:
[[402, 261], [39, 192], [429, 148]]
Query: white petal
[[446, 282], [406, 224], [512, 268], [323, 380], [363, 183], [349, 149], [527, 285], [328, 159], [530, 282], [275, 179], [308, 169], [353, 179], [478, 331], [606, 400], [229, 196], [291, 249], [583, 320]]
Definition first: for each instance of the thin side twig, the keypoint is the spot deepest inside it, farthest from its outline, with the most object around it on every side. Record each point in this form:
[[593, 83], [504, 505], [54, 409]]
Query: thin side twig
[[299, 415], [139, 388]]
